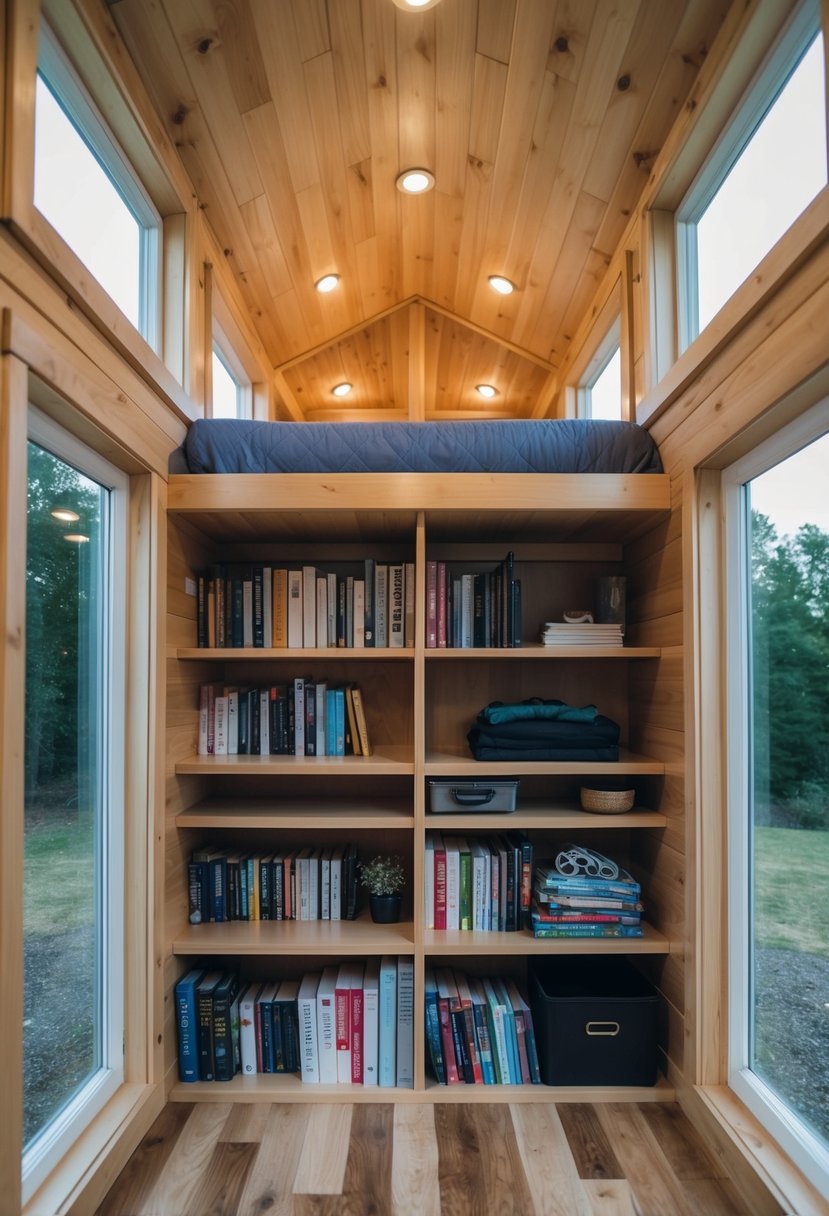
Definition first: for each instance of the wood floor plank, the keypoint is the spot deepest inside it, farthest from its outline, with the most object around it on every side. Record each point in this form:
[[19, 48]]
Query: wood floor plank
[[548, 1164], [609, 1196], [656, 1189], [180, 1177], [321, 1168], [246, 1123], [591, 1149], [367, 1183], [415, 1164], [133, 1185], [679, 1141], [480, 1166], [270, 1183], [715, 1197], [223, 1182]]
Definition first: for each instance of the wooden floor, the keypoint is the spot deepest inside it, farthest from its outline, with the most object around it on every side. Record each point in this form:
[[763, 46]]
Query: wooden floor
[[565, 1160]]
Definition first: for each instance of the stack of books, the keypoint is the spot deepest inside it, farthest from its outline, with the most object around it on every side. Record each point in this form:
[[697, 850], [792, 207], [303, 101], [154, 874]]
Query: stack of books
[[350, 1024], [563, 633], [585, 905], [478, 1031], [481, 885]]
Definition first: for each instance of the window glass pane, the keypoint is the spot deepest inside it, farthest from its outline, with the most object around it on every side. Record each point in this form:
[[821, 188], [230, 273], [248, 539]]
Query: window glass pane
[[606, 390], [789, 805], [225, 390], [64, 786], [779, 172], [80, 201]]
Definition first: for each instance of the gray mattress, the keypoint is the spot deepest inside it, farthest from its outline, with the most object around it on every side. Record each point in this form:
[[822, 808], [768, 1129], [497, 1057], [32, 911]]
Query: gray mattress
[[521, 446]]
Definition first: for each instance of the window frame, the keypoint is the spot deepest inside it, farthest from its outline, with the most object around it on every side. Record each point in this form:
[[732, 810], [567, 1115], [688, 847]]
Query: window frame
[[804, 1148], [226, 354], [757, 100], [71, 95], [52, 1143], [607, 348]]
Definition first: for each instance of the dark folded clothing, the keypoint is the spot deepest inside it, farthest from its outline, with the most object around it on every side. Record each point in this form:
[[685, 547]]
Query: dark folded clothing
[[483, 752], [545, 739]]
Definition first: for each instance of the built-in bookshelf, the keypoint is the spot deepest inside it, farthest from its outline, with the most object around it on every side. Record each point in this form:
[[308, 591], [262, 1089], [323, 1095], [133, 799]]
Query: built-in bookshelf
[[420, 702]]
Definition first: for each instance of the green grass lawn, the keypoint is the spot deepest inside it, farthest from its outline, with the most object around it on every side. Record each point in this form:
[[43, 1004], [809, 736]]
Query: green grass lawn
[[58, 888], [792, 890]]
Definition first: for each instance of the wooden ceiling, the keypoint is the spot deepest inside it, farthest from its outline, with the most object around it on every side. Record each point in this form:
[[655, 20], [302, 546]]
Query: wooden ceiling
[[539, 119]]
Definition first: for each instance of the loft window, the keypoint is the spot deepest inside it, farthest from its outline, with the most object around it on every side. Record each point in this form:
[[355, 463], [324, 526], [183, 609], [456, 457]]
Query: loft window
[[777, 558], [73, 858], [599, 393], [85, 187], [231, 397], [768, 165]]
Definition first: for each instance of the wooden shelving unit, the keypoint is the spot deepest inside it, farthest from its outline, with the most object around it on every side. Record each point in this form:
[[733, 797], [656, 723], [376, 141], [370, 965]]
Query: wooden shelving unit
[[420, 702]]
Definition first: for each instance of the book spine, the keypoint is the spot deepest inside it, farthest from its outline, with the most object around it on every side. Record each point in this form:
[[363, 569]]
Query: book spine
[[396, 613], [431, 604], [405, 1022], [409, 605], [280, 608], [387, 1036], [188, 1028], [258, 607], [442, 603], [307, 1013], [371, 1013], [381, 584], [368, 602], [356, 1014], [247, 1031], [295, 620], [309, 607], [326, 1028]]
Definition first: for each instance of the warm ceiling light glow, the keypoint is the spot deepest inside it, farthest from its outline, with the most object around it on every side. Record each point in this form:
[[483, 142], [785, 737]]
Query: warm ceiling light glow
[[504, 287], [341, 390], [486, 390], [415, 6], [327, 283], [415, 181], [77, 538], [65, 515]]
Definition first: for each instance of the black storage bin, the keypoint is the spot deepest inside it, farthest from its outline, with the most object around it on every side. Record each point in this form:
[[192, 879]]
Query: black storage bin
[[595, 1021]]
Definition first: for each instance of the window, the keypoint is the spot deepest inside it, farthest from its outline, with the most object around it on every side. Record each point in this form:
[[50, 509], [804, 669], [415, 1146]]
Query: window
[[87, 191], [231, 388], [777, 559], [599, 394], [766, 168], [73, 870]]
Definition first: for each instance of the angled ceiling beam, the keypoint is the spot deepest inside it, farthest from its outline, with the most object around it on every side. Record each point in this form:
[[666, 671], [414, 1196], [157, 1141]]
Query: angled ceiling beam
[[417, 362], [286, 397]]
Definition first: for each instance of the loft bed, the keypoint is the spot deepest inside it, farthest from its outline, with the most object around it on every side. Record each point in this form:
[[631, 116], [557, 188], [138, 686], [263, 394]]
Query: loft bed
[[568, 478]]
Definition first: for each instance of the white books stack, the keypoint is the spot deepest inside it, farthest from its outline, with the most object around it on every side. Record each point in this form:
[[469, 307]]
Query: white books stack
[[563, 633]]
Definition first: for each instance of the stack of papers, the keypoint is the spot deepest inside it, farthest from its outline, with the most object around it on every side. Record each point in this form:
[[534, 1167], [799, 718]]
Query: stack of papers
[[560, 633]]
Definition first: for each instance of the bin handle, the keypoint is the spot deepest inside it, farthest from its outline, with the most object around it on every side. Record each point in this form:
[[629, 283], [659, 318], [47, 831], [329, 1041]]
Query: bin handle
[[472, 797], [610, 1029]]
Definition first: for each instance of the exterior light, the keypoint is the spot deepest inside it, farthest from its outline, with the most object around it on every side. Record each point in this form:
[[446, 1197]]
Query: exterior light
[[341, 390], [486, 390], [415, 181], [65, 515], [327, 283], [504, 287], [415, 6]]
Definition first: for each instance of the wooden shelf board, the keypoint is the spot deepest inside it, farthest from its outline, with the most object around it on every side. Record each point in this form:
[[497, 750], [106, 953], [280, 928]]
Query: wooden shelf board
[[291, 937], [533, 651], [330, 654], [441, 942], [289, 1088], [457, 764], [548, 816], [299, 814], [386, 761]]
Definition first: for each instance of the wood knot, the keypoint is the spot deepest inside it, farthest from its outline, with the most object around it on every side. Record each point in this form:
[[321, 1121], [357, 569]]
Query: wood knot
[[204, 46], [623, 83], [180, 115], [561, 44]]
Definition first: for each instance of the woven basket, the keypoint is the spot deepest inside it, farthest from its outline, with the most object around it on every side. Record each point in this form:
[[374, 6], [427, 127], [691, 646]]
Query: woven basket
[[607, 802]]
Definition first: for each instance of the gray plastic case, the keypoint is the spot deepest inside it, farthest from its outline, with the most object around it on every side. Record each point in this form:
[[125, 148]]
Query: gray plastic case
[[454, 797]]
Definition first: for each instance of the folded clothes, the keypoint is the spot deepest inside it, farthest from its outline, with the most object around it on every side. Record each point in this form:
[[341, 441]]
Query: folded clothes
[[545, 739], [497, 712], [484, 752]]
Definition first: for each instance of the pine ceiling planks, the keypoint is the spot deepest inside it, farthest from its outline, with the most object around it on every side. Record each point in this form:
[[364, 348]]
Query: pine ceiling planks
[[539, 118]]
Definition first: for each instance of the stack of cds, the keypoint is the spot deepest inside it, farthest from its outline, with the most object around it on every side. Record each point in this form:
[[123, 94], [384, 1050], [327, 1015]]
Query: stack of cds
[[585, 894], [565, 633]]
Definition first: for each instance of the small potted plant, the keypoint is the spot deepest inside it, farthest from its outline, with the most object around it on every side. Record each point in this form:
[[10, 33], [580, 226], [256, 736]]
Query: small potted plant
[[383, 878]]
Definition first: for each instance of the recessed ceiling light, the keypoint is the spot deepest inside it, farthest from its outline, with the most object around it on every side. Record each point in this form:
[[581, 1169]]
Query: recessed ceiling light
[[486, 390], [415, 6], [327, 283], [415, 181], [504, 287], [76, 538], [65, 515], [341, 390]]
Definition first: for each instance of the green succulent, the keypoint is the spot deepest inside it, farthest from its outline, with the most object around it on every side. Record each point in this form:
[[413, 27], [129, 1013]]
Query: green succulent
[[382, 875]]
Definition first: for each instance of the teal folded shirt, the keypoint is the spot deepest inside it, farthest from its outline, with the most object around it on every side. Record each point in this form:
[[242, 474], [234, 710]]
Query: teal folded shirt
[[497, 713]]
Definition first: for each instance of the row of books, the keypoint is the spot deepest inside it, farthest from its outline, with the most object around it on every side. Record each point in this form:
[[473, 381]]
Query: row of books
[[299, 718], [306, 607], [585, 894], [292, 883], [478, 1031], [351, 1024], [478, 884], [473, 610]]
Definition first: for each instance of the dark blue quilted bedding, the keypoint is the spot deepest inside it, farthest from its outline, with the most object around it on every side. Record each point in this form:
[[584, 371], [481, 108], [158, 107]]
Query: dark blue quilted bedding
[[523, 446]]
